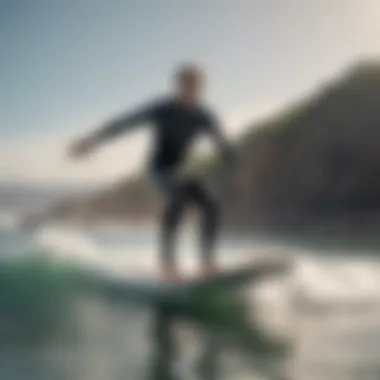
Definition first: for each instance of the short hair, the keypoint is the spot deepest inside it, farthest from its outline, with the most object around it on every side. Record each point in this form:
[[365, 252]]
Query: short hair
[[188, 71]]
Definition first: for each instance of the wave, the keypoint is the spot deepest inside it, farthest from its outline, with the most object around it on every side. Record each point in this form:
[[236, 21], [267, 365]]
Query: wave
[[322, 278], [81, 247], [37, 290], [40, 295], [67, 242], [36, 295]]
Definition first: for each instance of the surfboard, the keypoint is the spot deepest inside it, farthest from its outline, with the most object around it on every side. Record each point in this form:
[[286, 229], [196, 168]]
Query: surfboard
[[153, 289]]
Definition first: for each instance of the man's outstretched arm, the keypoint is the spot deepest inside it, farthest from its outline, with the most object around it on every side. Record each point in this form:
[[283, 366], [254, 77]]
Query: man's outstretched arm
[[223, 145], [114, 128]]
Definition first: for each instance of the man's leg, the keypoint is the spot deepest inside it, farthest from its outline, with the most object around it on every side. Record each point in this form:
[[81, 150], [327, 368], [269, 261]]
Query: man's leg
[[171, 220], [174, 197], [209, 223]]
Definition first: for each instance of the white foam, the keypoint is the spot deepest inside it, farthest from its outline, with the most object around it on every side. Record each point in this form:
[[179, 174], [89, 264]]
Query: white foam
[[74, 244], [340, 279], [66, 242]]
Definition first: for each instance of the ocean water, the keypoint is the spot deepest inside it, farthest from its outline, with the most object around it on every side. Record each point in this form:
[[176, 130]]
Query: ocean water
[[319, 321]]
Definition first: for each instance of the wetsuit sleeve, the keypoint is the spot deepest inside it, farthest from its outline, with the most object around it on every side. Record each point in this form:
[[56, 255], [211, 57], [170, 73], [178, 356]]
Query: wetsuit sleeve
[[213, 128], [124, 123]]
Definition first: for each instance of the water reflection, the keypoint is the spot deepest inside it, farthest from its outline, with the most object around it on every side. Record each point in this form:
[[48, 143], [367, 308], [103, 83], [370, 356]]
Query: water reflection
[[225, 348], [166, 348]]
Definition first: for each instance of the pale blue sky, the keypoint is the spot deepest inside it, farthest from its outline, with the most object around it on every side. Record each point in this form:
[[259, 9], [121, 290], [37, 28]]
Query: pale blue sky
[[68, 64]]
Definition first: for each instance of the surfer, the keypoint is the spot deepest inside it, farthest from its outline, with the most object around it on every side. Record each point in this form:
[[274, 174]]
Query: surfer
[[175, 121]]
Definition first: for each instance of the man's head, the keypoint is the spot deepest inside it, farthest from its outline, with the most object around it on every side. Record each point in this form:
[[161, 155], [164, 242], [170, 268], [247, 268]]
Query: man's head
[[189, 82]]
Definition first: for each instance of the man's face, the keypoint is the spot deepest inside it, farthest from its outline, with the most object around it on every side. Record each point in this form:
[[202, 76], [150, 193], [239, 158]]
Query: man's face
[[190, 85]]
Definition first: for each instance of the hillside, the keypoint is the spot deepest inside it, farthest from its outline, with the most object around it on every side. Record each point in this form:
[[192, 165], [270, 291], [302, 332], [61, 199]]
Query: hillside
[[317, 161], [20, 197]]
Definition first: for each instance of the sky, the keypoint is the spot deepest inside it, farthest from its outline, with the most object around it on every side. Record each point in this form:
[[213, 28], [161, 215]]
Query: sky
[[69, 65]]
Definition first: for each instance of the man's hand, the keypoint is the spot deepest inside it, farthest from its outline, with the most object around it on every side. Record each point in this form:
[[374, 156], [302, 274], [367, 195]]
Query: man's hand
[[80, 148]]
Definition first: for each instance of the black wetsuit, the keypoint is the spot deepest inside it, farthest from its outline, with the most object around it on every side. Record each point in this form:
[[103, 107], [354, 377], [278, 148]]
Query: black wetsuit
[[175, 126]]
